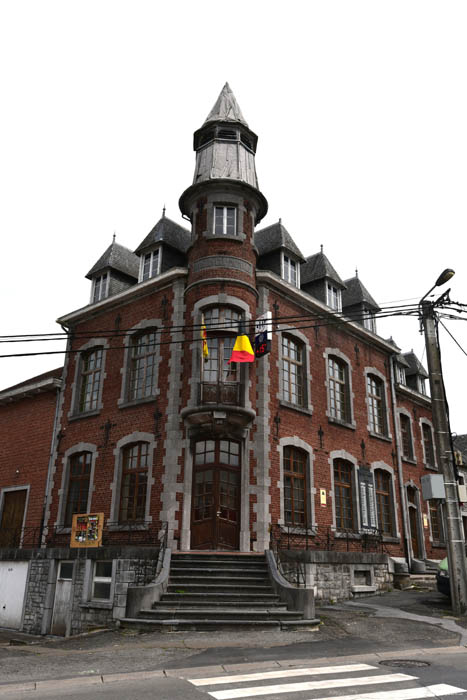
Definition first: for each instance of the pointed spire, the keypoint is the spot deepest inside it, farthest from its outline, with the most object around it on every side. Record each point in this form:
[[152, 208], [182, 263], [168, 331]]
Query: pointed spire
[[226, 108], [321, 246], [163, 212], [114, 237], [356, 272]]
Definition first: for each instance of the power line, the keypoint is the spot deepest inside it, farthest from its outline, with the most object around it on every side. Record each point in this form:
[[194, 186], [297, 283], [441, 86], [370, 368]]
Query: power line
[[456, 342]]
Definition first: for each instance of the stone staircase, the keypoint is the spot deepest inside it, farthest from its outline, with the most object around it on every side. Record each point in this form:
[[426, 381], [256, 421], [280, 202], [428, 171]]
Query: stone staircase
[[218, 590]]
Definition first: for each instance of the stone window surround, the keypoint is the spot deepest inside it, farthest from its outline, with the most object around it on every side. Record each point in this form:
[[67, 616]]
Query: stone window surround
[[9, 489], [196, 346], [420, 530], [115, 487], [387, 434], [218, 200], [307, 377], [425, 421], [74, 411], [294, 441], [405, 412], [141, 327], [343, 454], [335, 352], [394, 505], [63, 490]]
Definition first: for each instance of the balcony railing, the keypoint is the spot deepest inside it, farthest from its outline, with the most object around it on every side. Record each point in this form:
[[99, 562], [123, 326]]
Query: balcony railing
[[226, 393]]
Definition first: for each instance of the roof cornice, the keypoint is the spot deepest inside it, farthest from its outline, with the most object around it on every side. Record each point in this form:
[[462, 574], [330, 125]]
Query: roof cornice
[[28, 390], [315, 305], [138, 290]]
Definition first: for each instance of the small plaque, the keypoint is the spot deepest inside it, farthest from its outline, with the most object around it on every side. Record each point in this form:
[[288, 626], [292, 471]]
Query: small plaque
[[322, 496]]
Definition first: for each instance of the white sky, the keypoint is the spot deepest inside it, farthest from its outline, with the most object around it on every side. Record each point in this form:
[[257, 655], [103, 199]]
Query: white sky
[[361, 112]]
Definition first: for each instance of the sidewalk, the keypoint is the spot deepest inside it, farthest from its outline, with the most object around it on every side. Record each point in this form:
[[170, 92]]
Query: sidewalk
[[400, 620]]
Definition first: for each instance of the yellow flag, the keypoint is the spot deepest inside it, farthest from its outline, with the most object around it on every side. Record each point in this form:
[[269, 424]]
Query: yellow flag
[[204, 338]]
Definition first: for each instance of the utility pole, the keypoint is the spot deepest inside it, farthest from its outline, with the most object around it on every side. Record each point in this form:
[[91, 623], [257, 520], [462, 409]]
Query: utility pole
[[454, 529]]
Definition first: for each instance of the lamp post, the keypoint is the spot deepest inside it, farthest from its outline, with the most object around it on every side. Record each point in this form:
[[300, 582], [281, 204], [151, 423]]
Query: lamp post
[[454, 529]]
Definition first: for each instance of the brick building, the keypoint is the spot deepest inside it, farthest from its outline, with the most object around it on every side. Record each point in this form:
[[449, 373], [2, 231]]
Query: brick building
[[323, 439]]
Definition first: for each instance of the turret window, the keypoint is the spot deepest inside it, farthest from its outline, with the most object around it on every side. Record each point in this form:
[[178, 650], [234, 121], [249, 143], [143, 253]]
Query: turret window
[[150, 265], [225, 221]]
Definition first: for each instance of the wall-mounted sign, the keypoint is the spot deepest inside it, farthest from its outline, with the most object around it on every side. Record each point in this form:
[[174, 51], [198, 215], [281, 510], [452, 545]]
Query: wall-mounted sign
[[425, 520], [86, 530], [322, 496], [263, 326]]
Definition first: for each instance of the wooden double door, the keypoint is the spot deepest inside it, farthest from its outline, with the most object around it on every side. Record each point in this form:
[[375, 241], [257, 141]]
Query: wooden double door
[[11, 523], [215, 512]]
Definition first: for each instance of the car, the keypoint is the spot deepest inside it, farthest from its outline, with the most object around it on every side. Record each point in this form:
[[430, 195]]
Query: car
[[442, 577]]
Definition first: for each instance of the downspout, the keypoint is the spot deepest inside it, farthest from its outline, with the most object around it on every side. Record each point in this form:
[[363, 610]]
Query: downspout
[[399, 468], [47, 495]]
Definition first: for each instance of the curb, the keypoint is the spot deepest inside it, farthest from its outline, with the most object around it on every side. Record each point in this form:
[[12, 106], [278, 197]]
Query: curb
[[200, 671]]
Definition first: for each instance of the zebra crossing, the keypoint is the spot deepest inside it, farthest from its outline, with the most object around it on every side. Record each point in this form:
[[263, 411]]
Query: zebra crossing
[[323, 683]]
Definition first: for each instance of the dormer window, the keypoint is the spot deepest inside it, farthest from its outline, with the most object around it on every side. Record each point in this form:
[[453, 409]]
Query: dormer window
[[369, 321], [333, 297], [421, 385], [400, 375], [290, 270], [150, 265], [225, 221], [100, 288]]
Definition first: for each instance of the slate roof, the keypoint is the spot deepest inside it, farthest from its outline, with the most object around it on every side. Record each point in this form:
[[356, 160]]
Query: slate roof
[[357, 293], [276, 237], [167, 231], [460, 443], [226, 108], [399, 358], [51, 374], [318, 267], [414, 365], [117, 257]]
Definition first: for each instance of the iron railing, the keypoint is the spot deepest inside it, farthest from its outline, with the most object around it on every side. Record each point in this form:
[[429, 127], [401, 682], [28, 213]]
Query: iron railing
[[114, 534], [226, 393]]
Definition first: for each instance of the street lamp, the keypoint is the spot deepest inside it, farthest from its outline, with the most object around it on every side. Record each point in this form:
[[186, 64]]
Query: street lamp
[[454, 528]]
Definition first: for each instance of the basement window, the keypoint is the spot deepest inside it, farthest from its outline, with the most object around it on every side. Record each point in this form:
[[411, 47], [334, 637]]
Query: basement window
[[102, 580]]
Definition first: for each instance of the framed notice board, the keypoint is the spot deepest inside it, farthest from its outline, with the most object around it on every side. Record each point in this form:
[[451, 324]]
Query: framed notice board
[[86, 530]]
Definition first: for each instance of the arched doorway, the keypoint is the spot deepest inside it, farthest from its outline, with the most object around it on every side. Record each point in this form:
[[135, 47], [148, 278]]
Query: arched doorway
[[215, 509], [413, 520]]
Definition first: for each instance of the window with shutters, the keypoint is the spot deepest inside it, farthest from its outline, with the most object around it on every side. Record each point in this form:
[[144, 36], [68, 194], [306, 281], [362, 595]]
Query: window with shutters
[[367, 499], [344, 494], [384, 502]]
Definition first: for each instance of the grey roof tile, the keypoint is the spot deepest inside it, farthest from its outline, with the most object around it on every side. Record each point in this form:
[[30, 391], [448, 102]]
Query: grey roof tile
[[276, 237], [166, 231], [414, 365], [318, 267], [117, 257], [226, 108], [357, 293]]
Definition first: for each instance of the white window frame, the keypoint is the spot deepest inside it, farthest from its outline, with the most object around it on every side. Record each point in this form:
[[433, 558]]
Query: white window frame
[[224, 208], [155, 258], [369, 321], [287, 264], [100, 287], [424, 421], [333, 297], [412, 456], [400, 375], [386, 434]]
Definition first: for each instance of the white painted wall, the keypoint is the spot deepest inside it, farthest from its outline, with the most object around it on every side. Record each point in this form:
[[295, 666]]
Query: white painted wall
[[13, 576]]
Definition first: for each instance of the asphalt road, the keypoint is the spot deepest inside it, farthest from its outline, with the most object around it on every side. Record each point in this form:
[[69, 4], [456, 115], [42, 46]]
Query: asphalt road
[[156, 665]]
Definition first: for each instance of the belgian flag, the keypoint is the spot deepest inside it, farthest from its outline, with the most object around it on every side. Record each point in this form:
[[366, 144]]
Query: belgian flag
[[242, 350]]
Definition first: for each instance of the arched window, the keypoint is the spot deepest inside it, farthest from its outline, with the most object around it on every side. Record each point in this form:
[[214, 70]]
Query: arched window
[[90, 380], [220, 380], [293, 373], [295, 486], [142, 379], [133, 490], [428, 446], [343, 494], [79, 473], [406, 437], [436, 519]]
